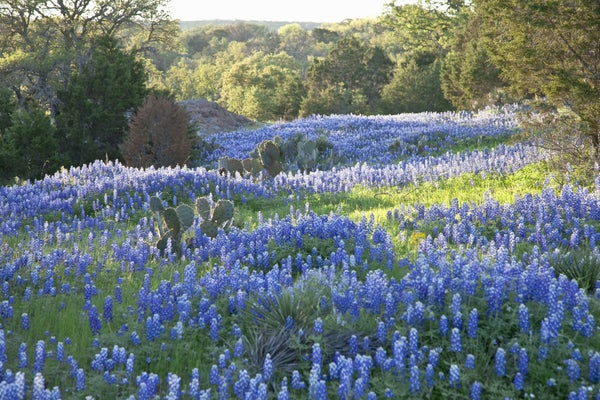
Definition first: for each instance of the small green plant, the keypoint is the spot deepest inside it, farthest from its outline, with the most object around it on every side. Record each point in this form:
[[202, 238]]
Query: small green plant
[[171, 223], [214, 217]]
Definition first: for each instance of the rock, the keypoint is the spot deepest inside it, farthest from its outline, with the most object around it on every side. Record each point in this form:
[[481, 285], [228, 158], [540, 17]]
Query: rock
[[209, 117]]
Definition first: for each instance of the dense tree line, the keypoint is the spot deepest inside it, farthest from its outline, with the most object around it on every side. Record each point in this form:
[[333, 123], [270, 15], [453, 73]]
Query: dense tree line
[[72, 73]]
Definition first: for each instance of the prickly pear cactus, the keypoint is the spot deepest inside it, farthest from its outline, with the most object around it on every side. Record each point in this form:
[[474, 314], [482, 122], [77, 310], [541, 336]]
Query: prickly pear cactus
[[172, 221], [223, 212], [203, 207], [185, 214], [252, 165], [156, 204], [209, 228]]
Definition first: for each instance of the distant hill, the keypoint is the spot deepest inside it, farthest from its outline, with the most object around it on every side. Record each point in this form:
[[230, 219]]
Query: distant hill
[[272, 25]]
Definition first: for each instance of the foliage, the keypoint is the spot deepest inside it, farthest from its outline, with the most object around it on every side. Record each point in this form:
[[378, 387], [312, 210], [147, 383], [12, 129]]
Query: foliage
[[550, 50], [29, 146], [159, 135], [415, 87], [469, 79], [436, 276], [263, 87], [171, 223], [92, 122], [348, 80]]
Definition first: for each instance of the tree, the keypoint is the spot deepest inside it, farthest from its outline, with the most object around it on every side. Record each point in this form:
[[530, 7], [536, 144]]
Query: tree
[[40, 41], [549, 49], [92, 122], [469, 78], [159, 135], [28, 147], [263, 87], [415, 87], [349, 70]]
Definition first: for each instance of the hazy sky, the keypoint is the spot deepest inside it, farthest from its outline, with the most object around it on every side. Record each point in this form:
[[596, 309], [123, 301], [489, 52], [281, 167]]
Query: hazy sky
[[277, 10]]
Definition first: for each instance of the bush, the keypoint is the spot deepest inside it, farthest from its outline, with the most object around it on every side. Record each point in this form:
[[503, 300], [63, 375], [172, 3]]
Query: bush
[[159, 135]]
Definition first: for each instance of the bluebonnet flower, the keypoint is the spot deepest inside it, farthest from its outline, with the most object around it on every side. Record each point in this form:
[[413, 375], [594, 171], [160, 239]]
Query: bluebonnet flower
[[318, 326], [214, 329], [381, 332], [472, 325], [153, 328], [429, 374], [213, 376], [519, 381], [60, 351], [25, 321], [40, 356], [359, 388], [22, 355], [476, 391], [413, 340], [283, 393], [470, 361], [80, 380], [94, 320], [454, 375], [39, 391], [297, 382], [500, 362], [268, 367], [573, 370], [353, 343], [118, 294], [321, 390], [135, 338], [443, 325], [130, 365], [455, 341], [523, 318], [415, 379], [523, 362], [380, 357], [594, 368], [107, 311], [241, 385]]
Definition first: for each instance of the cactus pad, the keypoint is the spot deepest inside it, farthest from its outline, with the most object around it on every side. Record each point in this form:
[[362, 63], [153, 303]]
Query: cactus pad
[[186, 216], [274, 168], [203, 207], [268, 153], [252, 165], [209, 228], [223, 212], [156, 204], [172, 220], [235, 165]]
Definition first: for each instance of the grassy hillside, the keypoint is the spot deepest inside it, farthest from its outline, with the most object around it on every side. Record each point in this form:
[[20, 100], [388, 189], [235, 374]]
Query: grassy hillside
[[436, 258]]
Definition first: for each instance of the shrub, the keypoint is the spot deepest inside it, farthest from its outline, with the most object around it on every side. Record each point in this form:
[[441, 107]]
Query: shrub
[[159, 135]]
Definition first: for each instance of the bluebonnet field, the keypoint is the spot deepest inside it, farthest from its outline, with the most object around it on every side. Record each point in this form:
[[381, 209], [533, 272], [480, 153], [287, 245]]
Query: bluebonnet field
[[454, 299]]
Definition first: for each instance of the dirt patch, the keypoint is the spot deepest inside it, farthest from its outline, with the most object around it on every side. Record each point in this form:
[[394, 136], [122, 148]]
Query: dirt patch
[[209, 117]]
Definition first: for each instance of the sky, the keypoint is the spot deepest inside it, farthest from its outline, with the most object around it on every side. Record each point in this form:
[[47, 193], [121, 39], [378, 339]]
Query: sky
[[276, 10]]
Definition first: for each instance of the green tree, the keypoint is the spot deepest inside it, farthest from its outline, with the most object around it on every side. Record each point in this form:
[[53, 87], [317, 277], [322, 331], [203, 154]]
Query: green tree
[[28, 147], [415, 87], [350, 70], [263, 87], [549, 49], [469, 78], [92, 121], [41, 41]]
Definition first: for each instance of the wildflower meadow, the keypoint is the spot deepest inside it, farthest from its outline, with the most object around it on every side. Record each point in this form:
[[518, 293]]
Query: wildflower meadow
[[429, 256]]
